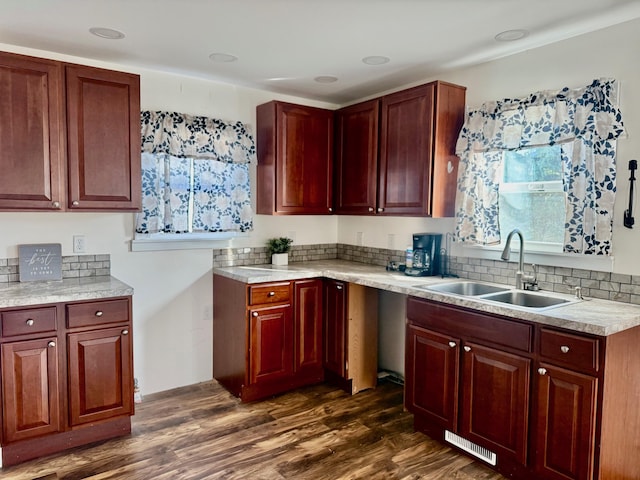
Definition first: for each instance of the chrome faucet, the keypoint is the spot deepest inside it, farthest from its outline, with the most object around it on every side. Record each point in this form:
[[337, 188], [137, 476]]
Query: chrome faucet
[[526, 282]]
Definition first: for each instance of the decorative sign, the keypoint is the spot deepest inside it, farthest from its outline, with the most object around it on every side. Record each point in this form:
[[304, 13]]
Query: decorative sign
[[40, 262]]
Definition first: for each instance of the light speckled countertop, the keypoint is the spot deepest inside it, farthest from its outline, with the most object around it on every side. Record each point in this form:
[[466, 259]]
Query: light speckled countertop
[[598, 317], [18, 294]]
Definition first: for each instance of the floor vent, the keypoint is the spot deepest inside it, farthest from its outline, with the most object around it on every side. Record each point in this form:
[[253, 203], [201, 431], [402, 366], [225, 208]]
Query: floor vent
[[470, 447]]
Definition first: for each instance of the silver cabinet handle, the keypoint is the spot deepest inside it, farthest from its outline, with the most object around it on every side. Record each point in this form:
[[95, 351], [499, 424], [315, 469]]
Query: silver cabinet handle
[[564, 349], [380, 209], [271, 294], [452, 344], [30, 322], [99, 313], [56, 204], [542, 371], [75, 203], [51, 344], [125, 332], [371, 209], [467, 349], [339, 287], [255, 314]]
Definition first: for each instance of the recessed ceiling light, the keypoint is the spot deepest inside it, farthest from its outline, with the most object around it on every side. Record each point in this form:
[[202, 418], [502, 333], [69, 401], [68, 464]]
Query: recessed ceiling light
[[326, 79], [108, 33], [511, 35], [376, 60], [222, 57]]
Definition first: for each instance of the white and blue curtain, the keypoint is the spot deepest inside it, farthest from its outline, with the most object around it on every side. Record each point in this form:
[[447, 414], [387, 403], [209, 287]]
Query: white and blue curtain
[[195, 174], [585, 122]]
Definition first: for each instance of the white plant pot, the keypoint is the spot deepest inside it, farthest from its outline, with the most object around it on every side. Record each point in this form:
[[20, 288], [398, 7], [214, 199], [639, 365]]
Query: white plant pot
[[280, 259]]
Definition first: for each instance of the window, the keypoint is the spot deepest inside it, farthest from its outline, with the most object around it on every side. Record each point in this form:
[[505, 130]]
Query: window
[[195, 178], [531, 196]]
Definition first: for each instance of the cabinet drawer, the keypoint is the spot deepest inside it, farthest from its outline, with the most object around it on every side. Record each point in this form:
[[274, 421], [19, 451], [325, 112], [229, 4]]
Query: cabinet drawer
[[32, 320], [272, 293], [97, 313], [470, 325], [572, 351]]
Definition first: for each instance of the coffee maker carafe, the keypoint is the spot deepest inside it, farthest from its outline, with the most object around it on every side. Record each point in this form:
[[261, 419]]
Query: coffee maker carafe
[[426, 255]]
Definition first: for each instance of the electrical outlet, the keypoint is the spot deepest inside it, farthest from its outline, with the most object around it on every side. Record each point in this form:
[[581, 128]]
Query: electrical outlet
[[79, 245], [359, 239]]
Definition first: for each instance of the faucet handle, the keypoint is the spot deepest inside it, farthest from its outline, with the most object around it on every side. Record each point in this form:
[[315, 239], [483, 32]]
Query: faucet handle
[[530, 282]]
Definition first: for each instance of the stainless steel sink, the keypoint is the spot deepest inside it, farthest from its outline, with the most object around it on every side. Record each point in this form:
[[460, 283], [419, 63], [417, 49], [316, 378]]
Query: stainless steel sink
[[525, 299], [470, 289]]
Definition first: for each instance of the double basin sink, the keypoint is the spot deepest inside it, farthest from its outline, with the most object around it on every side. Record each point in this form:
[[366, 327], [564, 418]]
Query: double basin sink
[[495, 293]]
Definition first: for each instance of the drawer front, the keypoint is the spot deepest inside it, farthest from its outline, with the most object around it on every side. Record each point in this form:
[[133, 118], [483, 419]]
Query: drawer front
[[271, 293], [572, 351], [97, 313], [25, 322], [470, 325]]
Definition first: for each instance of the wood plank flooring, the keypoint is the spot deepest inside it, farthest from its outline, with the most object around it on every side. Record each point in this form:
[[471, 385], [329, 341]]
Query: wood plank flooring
[[315, 433]]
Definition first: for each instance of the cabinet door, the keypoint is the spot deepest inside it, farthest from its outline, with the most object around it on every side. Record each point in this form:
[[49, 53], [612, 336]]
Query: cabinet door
[[431, 375], [335, 327], [30, 389], [103, 129], [31, 138], [295, 153], [308, 325], [357, 158], [271, 344], [495, 406], [406, 152], [565, 425], [100, 375]]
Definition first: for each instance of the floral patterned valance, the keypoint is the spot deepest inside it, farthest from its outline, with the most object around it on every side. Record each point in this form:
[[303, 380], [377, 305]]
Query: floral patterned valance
[[585, 121], [182, 135]]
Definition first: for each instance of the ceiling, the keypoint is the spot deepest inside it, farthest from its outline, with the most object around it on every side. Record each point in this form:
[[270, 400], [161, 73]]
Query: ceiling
[[283, 45]]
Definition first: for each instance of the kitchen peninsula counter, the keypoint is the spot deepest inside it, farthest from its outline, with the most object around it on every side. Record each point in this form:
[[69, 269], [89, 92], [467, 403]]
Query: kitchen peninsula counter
[[593, 316], [19, 294]]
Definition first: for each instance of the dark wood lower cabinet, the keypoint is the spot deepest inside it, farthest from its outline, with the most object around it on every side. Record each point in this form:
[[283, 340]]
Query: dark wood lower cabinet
[[335, 327], [30, 389], [267, 337], [67, 376], [495, 400], [565, 423], [551, 404]]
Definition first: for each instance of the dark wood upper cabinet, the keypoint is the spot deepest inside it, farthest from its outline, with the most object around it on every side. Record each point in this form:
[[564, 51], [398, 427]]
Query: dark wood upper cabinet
[[356, 161], [70, 136], [396, 155], [31, 133], [295, 149], [103, 139]]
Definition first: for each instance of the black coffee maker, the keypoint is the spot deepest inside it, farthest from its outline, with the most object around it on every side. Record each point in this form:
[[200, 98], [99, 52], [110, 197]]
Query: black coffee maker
[[426, 255]]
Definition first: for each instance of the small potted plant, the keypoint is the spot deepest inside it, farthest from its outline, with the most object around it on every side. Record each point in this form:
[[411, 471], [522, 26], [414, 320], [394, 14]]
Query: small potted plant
[[279, 248]]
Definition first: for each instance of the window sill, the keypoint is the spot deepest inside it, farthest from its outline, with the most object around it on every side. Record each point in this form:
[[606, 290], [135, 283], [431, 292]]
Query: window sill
[[600, 263], [194, 241]]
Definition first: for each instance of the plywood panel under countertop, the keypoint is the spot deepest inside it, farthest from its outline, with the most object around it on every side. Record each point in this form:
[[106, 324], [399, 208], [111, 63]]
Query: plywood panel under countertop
[[362, 334]]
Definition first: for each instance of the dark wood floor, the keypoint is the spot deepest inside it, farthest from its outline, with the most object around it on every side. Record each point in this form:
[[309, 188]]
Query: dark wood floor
[[316, 433]]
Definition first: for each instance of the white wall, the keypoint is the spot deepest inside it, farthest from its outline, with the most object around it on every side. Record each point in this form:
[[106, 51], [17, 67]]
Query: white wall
[[173, 299]]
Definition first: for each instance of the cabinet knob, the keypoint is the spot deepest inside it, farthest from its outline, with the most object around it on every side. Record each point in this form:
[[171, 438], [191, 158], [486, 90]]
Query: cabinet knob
[[542, 371], [271, 294], [452, 344], [30, 322], [99, 313], [125, 332], [380, 209], [51, 343], [371, 209], [467, 349], [75, 203], [564, 349], [56, 204], [330, 209], [255, 314], [338, 287]]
